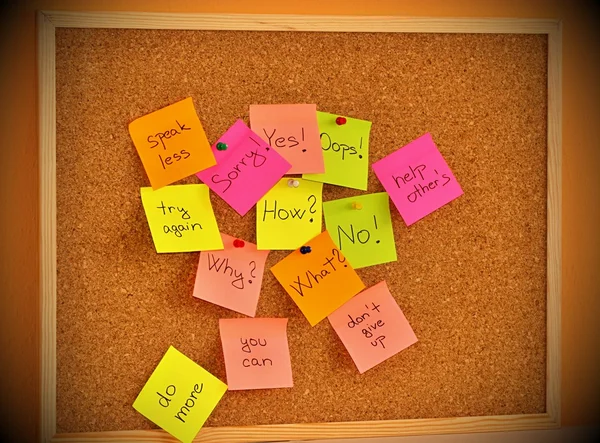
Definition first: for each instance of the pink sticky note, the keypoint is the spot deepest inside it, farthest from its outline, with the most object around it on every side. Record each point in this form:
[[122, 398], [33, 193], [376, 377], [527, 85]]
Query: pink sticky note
[[372, 327], [232, 277], [417, 179], [246, 170], [256, 353], [294, 132]]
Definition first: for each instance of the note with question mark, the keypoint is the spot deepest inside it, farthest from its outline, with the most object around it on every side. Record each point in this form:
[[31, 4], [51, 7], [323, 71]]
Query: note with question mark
[[231, 278], [288, 215]]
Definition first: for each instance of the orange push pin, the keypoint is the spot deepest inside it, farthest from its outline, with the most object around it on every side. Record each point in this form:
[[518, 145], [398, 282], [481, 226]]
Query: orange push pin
[[356, 205]]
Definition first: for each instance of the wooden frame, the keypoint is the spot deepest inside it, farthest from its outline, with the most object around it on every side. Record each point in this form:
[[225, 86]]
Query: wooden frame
[[46, 25]]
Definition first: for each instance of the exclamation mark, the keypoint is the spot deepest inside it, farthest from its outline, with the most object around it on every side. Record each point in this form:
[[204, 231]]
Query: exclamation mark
[[304, 150], [375, 221], [360, 147]]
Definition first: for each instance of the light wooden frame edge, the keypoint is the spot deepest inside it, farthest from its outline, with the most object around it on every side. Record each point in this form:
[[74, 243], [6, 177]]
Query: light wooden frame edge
[[48, 21]]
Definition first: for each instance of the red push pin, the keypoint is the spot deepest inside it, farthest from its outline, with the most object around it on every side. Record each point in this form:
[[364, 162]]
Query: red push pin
[[237, 243], [340, 121]]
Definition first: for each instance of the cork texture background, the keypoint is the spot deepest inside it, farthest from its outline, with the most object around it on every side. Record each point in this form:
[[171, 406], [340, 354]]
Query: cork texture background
[[470, 278]]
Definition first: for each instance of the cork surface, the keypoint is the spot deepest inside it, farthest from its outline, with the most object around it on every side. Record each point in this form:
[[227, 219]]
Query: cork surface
[[470, 278]]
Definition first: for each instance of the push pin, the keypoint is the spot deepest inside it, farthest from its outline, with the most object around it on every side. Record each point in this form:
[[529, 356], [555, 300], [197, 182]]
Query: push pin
[[340, 121], [237, 243], [305, 249], [356, 205], [293, 183], [221, 146]]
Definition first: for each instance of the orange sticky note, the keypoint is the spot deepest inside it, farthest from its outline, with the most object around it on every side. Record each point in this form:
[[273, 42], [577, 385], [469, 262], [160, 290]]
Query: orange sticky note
[[320, 281], [171, 143], [256, 353], [372, 327], [232, 277], [293, 131]]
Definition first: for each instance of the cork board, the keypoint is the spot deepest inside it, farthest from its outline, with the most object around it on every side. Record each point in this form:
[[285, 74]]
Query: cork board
[[471, 277]]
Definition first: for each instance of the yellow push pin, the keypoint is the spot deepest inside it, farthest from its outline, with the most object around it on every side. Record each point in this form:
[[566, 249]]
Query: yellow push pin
[[356, 205]]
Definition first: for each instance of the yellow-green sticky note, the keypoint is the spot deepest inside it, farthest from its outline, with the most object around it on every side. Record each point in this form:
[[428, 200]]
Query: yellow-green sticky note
[[181, 218], [345, 151], [179, 395], [289, 214], [362, 228]]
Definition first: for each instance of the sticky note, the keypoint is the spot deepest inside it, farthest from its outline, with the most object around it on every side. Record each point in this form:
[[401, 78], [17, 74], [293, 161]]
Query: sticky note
[[179, 396], [256, 353], [181, 218], [293, 131], [320, 281], [372, 327], [288, 216], [171, 143], [417, 179], [245, 170], [345, 151], [361, 227], [231, 278]]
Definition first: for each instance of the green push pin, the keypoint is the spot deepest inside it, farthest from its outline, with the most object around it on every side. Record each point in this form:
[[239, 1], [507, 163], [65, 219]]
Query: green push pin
[[221, 146]]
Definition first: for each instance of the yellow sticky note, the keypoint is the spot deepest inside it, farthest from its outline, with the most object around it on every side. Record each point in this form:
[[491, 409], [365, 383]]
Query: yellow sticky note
[[179, 395], [171, 143], [289, 214], [181, 218], [345, 151], [362, 228], [319, 281]]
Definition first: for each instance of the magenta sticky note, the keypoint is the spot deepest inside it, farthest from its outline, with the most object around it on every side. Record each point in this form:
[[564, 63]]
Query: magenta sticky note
[[418, 179], [246, 170]]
